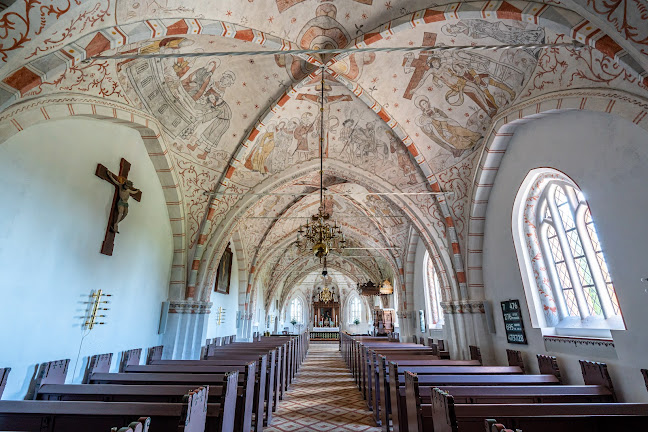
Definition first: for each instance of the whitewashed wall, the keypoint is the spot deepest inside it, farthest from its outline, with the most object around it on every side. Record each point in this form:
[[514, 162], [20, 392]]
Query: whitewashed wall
[[606, 156], [227, 301], [55, 213]]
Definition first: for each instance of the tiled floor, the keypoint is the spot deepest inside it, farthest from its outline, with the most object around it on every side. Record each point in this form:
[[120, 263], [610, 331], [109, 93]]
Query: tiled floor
[[323, 397]]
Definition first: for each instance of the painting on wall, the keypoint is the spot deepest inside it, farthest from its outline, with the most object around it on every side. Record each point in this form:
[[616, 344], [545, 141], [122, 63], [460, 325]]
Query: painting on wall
[[422, 320], [224, 272]]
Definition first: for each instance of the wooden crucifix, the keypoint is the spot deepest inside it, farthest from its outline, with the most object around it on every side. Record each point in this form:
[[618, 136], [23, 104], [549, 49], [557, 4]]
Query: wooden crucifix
[[124, 189]]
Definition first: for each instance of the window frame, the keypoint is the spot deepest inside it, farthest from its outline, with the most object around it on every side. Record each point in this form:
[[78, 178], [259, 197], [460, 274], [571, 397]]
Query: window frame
[[297, 302], [548, 216], [432, 293]]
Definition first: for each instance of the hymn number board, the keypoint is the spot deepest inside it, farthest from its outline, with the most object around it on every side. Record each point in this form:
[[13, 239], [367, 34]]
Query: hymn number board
[[513, 322]]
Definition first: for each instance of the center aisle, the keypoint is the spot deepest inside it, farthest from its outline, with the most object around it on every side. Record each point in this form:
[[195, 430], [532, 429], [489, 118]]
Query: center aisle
[[323, 397]]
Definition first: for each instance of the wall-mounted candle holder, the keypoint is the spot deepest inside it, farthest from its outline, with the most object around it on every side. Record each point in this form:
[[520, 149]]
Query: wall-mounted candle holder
[[97, 303]]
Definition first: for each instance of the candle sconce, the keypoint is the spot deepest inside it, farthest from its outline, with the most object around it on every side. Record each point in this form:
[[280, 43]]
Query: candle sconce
[[96, 308], [220, 316]]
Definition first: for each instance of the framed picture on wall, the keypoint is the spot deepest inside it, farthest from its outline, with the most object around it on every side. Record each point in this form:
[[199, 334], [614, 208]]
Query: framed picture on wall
[[422, 320], [224, 272]]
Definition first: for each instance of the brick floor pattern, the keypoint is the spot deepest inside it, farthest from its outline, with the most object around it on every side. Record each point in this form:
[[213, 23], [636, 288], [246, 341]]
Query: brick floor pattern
[[323, 397]]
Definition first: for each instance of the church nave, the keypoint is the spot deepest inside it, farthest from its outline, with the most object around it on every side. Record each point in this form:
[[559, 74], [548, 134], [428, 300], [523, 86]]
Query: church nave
[[323, 397]]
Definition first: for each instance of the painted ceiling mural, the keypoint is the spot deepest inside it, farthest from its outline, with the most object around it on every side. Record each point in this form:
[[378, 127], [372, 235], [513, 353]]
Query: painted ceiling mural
[[242, 131]]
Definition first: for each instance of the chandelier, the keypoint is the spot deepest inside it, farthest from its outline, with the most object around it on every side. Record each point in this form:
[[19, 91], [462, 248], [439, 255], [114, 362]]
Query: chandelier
[[318, 234], [326, 295]]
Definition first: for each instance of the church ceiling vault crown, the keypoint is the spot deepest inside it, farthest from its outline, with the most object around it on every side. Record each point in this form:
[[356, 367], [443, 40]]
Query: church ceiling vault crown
[[241, 132]]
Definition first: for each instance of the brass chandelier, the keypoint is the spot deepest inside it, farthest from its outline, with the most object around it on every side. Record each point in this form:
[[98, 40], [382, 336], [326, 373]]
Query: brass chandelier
[[318, 234]]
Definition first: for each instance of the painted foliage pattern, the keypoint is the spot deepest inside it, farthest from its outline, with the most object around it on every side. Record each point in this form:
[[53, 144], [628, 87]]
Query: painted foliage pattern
[[206, 107]]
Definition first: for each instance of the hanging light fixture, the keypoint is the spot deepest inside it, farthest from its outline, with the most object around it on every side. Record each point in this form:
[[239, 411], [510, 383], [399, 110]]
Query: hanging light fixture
[[318, 234]]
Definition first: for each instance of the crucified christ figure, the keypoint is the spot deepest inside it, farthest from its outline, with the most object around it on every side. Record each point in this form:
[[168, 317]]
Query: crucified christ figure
[[125, 189]]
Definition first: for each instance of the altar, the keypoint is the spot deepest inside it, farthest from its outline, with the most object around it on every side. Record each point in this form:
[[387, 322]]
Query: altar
[[325, 334]]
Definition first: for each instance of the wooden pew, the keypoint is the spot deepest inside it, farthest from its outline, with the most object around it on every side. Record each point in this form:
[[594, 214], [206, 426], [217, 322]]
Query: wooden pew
[[396, 381], [223, 396], [4, 376], [130, 357], [418, 400], [97, 363], [475, 353], [270, 396], [382, 405], [450, 417], [258, 407], [246, 386], [141, 425], [193, 415], [154, 353]]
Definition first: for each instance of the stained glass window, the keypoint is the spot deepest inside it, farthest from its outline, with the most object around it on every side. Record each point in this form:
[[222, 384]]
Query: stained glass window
[[354, 310], [573, 254], [297, 311]]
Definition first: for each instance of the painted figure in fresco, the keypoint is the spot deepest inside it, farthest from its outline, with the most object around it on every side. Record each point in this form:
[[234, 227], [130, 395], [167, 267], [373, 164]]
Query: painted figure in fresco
[[301, 135], [198, 81], [402, 157], [125, 190], [480, 29], [462, 79], [443, 130], [260, 154], [219, 114], [346, 135], [162, 46]]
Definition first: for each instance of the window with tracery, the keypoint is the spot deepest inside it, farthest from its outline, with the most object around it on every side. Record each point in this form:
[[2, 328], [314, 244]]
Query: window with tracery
[[432, 294], [355, 307], [565, 256], [296, 311]]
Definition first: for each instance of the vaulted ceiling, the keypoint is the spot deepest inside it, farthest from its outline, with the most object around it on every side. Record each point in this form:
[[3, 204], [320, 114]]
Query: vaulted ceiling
[[242, 131]]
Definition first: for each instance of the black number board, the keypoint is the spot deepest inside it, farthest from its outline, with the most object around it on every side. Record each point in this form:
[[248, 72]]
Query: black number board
[[513, 322]]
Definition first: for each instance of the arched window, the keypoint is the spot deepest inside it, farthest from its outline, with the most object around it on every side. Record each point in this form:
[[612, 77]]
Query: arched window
[[355, 308], [432, 294], [297, 311], [563, 253]]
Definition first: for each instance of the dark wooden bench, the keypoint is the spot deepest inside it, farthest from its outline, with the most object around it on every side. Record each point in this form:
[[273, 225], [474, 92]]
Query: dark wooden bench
[[4, 376], [399, 410], [418, 400], [193, 415], [382, 403], [258, 407], [271, 396], [245, 386], [601, 417]]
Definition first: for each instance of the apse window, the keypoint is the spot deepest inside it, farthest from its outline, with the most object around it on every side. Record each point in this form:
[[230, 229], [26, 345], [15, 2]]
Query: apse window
[[432, 294], [561, 258], [354, 311], [296, 311]]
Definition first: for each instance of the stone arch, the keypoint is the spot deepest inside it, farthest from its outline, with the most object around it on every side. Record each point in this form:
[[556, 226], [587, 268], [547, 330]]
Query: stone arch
[[625, 105], [215, 245], [42, 110]]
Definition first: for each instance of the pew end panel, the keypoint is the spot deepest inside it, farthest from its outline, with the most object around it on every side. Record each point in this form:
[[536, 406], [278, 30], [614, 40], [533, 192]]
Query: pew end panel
[[549, 365], [596, 373], [443, 412], [413, 402], [97, 363], [130, 357], [493, 426], [4, 375], [154, 353], [53, 372], [475, 353], [194, 412], [644, 372], [514, 358], [228, 403]]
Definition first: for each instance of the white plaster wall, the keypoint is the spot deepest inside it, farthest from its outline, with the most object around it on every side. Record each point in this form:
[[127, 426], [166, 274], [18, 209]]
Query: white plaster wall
[[606, 156], [227, 301], [52, 225]]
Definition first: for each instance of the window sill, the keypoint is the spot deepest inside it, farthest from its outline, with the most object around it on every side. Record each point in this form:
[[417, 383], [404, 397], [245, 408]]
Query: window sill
[[591, 347]]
